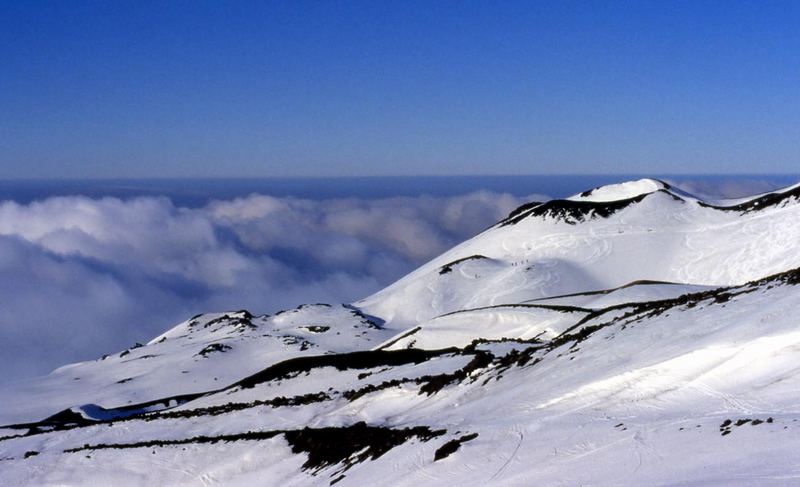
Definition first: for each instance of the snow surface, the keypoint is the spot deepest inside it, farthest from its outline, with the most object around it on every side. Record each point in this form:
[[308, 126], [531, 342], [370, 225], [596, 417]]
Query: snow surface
[[621, 191], [633, 335], [662, 237]]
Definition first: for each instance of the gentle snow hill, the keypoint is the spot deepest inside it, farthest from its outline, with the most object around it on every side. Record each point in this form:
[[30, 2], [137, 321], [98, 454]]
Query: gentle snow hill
[[629, 335], [595, 241], [206, 352]]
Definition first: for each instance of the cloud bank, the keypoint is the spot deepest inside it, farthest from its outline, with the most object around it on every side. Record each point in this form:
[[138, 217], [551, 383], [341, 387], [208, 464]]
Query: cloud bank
[[80, 277]]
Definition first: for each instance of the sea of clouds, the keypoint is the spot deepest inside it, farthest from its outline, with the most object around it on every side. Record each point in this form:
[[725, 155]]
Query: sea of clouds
[[80, 277]]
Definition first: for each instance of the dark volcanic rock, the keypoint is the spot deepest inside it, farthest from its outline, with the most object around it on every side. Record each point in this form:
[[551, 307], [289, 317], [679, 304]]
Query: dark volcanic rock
[[573, 212], [447, 268], [452, 446]]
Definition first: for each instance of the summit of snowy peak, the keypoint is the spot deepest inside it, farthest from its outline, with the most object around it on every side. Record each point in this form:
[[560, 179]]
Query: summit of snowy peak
[[621, 191]]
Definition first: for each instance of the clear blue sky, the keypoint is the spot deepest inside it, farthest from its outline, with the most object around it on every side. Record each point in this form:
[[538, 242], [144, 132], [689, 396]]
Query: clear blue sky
[[165, 89]]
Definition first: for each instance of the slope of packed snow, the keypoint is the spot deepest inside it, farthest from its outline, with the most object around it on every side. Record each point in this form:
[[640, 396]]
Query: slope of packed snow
[[649, 395], [631, 335], [635, 292], [200, 354], [460, 328], [566, 246]]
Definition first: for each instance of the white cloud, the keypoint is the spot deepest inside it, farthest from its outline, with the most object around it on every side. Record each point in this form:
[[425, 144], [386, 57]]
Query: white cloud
[[80, 277]]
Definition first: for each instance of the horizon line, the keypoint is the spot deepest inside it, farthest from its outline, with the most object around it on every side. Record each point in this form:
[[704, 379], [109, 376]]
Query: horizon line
[[389, 176]]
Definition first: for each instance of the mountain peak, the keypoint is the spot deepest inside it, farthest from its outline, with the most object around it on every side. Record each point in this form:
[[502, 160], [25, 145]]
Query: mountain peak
[[621, 191]]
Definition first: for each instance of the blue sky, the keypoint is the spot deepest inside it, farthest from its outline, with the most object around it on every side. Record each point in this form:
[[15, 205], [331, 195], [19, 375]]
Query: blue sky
[[205, 89]]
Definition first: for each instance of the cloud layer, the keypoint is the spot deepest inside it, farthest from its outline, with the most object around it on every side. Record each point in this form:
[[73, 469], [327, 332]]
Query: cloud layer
[[80, 277]]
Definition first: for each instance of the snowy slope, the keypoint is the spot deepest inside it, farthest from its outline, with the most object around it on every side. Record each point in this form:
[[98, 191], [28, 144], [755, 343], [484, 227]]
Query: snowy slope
[[630, 335], [200, 354], [588, 243]]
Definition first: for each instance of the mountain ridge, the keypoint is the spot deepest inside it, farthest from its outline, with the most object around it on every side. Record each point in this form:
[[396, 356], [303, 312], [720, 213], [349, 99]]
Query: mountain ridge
[[650, 344]]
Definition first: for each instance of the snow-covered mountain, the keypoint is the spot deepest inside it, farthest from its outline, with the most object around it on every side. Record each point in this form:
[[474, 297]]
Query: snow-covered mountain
[[629, 335]]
